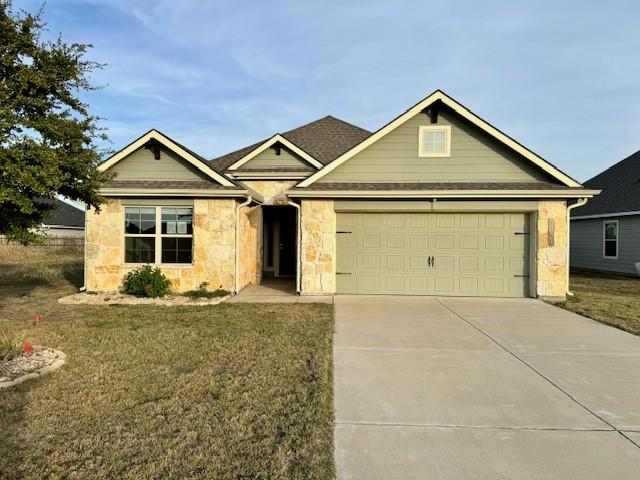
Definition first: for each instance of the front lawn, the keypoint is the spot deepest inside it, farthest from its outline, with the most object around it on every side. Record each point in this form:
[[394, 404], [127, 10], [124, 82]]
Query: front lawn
[[229, 391], [609, 299]]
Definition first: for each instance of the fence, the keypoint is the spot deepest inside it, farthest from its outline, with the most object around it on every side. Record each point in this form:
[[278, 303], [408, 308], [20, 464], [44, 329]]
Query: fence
[[52, 243]]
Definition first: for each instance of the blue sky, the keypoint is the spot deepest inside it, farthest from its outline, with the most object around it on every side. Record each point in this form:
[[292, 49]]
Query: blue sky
[[561, 77]]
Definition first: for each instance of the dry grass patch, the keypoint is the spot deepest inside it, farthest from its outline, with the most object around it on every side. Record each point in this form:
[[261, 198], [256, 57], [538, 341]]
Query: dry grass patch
[[609, 299], [231, 391]]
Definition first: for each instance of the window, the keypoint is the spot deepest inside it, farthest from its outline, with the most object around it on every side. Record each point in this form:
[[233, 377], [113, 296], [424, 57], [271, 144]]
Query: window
[[434, 141], [139, 231], [177, 235], [610, 238], [158, 235]]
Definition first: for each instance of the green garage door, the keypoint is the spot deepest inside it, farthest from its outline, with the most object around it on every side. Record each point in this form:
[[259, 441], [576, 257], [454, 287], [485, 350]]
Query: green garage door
[[465, 254]]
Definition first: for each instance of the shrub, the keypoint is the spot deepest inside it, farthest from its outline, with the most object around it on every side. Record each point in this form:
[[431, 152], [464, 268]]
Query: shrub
[[146, 282], [10, 344], [202, 292]]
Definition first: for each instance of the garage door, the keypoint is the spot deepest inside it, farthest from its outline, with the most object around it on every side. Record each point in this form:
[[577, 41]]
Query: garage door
[[467, 254]]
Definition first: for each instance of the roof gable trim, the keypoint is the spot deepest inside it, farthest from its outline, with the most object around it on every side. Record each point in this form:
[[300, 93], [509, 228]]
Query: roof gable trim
[[272, 141], [436, 96], [171, 145]]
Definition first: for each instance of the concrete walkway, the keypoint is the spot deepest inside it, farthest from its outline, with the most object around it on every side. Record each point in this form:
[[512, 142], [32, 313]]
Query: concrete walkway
[[462, 388], [276, 291]]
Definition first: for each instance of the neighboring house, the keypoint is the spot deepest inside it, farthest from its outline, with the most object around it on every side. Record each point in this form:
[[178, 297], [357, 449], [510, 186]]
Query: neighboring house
[[436, 202], [63, 220], [605, 233]]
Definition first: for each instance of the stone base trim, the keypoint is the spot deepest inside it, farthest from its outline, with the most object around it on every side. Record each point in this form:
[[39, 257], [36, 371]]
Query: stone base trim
[[553, 299]]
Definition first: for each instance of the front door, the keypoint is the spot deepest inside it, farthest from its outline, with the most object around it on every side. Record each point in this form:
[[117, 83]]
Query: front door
[[287, 244], [279, 241]]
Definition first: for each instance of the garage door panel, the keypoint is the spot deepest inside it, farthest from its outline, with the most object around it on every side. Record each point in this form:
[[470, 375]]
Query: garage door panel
[[395, 241], [469, 285], [369, 262], [473, 253], [444, 263], [468, 264], [419, 285], [445, 285]]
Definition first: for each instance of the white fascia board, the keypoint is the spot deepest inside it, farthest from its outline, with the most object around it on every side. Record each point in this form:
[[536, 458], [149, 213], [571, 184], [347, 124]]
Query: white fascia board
[[464, 112], [175, 192], [275, 139], [240, 175], [440, 194], [607, 215], [156, 135]]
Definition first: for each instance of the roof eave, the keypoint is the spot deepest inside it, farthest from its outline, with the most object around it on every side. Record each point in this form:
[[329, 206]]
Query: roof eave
[[394, 194]]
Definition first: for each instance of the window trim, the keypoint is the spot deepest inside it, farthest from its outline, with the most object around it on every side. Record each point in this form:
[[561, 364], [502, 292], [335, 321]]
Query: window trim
[[434, 128], [158, 236], [604, 239]]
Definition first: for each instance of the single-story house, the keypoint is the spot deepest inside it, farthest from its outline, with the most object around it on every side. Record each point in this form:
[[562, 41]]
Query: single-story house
[[605, 233], [63, 220], [436, 202]]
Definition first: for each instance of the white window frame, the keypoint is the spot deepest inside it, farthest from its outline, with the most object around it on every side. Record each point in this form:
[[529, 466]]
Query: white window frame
[[158, 236], [434, 128], [604, 239]]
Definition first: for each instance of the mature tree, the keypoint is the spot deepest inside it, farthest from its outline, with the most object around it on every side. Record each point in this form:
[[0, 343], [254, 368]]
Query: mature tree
[[47, 135]]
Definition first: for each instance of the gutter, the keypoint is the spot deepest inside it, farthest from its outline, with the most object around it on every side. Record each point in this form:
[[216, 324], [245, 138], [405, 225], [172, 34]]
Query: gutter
[[490, 194], [579, 203], [299, 246], [237, 250]]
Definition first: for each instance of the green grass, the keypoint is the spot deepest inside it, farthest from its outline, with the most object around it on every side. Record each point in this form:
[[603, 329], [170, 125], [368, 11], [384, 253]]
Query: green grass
[[609, 299], [229, 391]]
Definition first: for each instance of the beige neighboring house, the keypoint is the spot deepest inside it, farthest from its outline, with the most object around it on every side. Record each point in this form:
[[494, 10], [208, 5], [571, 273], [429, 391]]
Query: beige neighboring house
[[436, 202]]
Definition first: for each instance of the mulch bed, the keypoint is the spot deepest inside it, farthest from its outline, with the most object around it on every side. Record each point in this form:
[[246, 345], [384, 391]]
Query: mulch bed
[[122, 299]]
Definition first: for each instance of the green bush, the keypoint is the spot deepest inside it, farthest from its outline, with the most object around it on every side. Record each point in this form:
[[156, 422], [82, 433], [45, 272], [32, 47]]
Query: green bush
[[202, 292], [10, 344], [146, 282]]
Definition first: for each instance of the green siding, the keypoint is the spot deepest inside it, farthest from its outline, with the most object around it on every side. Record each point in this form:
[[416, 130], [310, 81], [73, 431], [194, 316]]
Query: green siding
[[475, 157], [141, 165], [474, 254], [268, 159]]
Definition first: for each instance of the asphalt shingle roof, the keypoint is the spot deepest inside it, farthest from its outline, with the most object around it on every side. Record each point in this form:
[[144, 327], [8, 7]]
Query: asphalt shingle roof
[[620, 186], [63, 214], [324, 139]]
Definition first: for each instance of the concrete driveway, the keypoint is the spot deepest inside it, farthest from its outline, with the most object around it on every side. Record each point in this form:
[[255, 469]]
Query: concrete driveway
[[467, 388]]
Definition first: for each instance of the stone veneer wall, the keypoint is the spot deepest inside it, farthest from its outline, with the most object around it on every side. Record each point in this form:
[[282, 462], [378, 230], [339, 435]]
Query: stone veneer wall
[[250, 246], [318, 244], [213, 243], [552, 249]]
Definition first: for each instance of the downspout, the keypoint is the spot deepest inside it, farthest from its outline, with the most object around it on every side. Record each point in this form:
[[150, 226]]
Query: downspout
[[83, 288], [237, 263], [299, 246], [579, 203]]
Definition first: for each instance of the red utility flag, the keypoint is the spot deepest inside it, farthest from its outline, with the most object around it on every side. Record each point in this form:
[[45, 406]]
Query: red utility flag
[[37, 318], [27, 348]]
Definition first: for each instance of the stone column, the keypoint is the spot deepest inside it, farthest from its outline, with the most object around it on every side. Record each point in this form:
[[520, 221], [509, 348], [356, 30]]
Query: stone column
[[318, 255], [552, 250]]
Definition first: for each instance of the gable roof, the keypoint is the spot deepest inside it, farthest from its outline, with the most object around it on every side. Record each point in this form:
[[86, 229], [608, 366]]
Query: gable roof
[[188, 155], [323, 140], [62, 214], [620, 186], [440, 96], [276, 139]]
